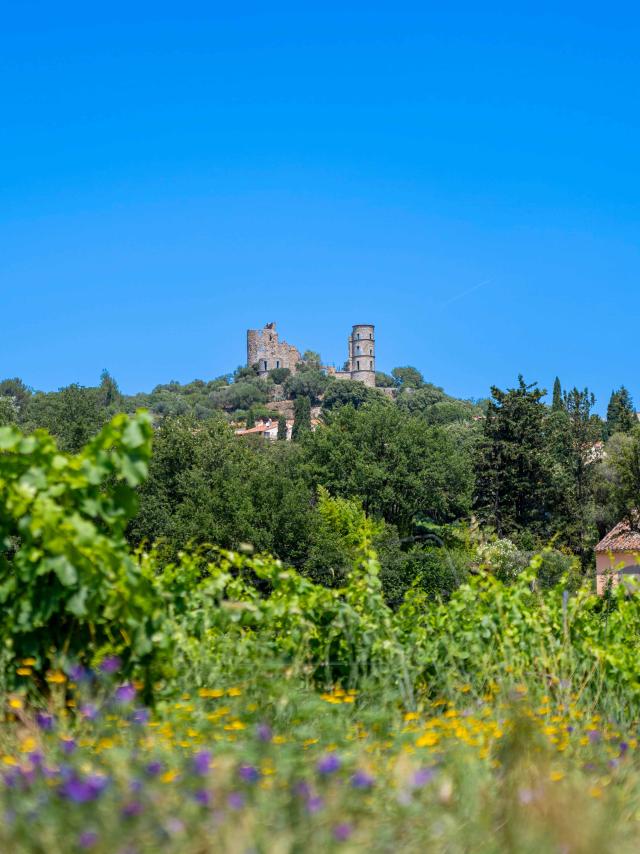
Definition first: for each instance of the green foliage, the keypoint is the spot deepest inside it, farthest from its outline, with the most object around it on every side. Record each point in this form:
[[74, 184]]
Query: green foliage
[[206, 486], [384, 380], [311, 360], [8, 411], [398, 466], [407, 377], [513, 468], [301, 418], [621, 416], [282, 429], [557, 402], [241, 394], [279, 375], [625, 467], [342, 392], [73, 415], [68, 585], [307, 383]]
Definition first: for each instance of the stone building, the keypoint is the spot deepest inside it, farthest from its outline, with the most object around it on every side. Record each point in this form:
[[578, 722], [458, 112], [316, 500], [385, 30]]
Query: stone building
[[265, 350]]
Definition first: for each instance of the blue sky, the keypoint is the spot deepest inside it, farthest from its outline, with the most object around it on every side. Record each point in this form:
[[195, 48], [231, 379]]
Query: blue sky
[[467, 178]]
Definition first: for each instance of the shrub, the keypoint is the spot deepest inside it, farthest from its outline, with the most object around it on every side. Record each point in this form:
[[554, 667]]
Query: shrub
[[69, 587]]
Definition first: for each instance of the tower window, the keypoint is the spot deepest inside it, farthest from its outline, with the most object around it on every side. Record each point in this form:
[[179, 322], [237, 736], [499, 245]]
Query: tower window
[[371, 365], [358, 336], [277, 363], [358, 365], [371, 335]]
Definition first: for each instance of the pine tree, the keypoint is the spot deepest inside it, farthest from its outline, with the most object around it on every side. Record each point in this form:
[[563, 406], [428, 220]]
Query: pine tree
[[557, 395], [282, 428], [301, 417], [513, 464], [621, 416]]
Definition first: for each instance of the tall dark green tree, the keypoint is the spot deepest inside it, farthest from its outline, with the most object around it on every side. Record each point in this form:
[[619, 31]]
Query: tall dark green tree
[[109, 391], [301, 417], [621, 416], [572, 436], [625, 464], [513, 467], [282, 429], [557, 403], [251, 420]]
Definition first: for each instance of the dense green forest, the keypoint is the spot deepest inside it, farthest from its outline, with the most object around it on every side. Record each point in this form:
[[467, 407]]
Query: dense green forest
[[451, 485]]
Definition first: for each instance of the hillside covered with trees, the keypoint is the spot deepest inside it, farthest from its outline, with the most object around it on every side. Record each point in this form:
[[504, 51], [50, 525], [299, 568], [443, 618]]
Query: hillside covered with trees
[[451, 485]]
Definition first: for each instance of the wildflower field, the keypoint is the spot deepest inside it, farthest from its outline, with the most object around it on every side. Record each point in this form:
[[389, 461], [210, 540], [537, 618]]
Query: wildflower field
[[225, 703]]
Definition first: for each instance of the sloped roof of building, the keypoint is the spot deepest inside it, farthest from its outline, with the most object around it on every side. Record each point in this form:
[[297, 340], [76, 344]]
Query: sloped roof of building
[[623, 538]]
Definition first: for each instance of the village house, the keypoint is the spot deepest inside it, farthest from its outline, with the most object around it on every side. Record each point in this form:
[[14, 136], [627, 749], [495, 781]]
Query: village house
[[617, 556], [268, 428]]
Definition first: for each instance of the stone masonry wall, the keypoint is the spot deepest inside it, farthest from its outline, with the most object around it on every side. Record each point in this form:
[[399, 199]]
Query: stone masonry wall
[[265, 350]]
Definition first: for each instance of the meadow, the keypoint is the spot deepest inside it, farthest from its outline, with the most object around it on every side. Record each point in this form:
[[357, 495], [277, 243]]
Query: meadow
[[224, 702]]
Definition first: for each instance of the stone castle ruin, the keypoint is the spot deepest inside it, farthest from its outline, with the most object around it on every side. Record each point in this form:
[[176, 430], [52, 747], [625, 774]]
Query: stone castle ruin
[[265, 350]]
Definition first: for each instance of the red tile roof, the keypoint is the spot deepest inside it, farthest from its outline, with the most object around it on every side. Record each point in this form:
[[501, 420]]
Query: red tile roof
[[623, 538]]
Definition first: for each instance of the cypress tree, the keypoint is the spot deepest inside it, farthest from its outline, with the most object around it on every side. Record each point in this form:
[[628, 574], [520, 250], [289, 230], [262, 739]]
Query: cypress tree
[[621, 416], [282, 428], [251, 419], [557, 395], [301, 417], [513, 464]]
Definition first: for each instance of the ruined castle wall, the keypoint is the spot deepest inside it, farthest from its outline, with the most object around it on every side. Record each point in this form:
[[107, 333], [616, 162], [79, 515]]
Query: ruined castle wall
[[268, 352]]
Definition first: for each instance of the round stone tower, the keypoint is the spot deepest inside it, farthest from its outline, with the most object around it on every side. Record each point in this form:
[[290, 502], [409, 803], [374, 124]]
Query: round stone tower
[[362, 353]]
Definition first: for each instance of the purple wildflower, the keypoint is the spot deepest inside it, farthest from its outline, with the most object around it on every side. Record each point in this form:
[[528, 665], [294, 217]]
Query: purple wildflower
[[623, 748], [132, 809], [45, 721], [362, 780], [594, 736], [341, 832], [140, 716], [68, 745], [202, 762], [328, 764], [36, 757], [154, 768], [422, 777], [125, 693], [264, 732], [10, 778], [87, 839], [249, 774], [111, 664], [314, 804], [302, 789], [202, 797], [135, 785], [89, 711], [81, 791], [78, 673], [235, 800]]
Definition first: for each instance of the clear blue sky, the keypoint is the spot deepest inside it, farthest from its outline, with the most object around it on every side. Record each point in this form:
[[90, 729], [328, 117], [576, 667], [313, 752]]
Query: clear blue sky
[[465, 176]]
